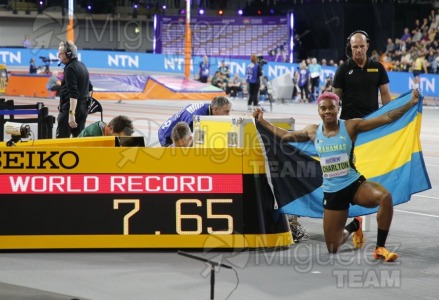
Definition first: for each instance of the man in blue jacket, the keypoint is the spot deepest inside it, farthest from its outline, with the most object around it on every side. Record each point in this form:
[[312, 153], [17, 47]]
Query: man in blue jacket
[[219, 106]]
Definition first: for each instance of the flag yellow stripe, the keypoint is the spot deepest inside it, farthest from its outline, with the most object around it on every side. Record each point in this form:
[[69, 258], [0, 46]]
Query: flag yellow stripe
[[390, 152]]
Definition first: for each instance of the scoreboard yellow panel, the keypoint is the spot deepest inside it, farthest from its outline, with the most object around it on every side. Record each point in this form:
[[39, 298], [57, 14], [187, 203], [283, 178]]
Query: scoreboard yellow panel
[[113, 197]]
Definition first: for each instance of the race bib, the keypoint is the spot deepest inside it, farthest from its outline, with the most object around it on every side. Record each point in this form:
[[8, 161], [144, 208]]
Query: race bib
[[335, 166]]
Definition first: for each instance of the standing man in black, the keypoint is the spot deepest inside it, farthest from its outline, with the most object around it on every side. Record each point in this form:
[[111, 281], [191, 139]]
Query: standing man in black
[[358, 80], [75, 89]]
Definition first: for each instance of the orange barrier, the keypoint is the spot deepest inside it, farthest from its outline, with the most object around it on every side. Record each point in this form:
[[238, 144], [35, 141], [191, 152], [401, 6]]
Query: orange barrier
[[28, 85], [35, 86], [119, 96]]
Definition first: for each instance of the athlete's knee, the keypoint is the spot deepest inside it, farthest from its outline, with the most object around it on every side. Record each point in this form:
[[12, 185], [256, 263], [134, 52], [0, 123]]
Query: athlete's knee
[[385, 198]]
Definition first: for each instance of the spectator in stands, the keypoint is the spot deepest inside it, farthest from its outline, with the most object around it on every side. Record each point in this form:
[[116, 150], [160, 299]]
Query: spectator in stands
[[357, 89], [407, 56], [235, 85], [417, 35], [32, 67], [419, 67], [417, 26], [398, 45], [432, 17], [406, 34], [425, 38], [54, 84], [204, 70], [432, 35], [435, 45], [75, 90], [395, 58], [390, 46], [218, 107], [409, 45], [425, 25], [26, 42], [181, 135], [253, 74], [403, 65], [374, 55], [432, 57], [118, 126]]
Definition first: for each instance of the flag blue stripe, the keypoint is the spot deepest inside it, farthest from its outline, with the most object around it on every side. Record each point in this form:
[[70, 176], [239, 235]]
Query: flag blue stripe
[[401, 183]]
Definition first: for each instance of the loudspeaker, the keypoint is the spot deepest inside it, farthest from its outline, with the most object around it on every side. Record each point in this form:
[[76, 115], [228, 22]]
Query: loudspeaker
[[348, 41], [68, 50]]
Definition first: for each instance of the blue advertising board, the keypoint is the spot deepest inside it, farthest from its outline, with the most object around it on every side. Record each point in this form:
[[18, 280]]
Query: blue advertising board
[[136, 62]]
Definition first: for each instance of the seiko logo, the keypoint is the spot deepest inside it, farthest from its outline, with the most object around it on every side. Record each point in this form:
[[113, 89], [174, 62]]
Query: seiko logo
[[38, 159]]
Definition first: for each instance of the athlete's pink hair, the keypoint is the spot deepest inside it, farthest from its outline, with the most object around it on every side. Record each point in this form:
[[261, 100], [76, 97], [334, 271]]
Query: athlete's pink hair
[[328, 95]]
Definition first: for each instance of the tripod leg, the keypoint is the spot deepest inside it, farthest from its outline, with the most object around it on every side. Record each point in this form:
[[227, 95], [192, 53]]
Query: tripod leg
[[212, 282]]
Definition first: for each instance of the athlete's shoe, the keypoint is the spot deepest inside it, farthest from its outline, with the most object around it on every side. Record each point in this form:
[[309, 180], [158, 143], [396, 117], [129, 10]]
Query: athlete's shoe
[[384, 254], [297, 230], [358, 237]]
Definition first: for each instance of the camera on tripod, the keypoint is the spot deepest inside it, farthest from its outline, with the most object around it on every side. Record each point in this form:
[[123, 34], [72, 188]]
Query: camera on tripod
[[261, 60], [46, 60]]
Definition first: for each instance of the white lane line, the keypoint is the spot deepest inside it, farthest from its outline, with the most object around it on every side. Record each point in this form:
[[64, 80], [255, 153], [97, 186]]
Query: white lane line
[[423, 196], [415, 213]]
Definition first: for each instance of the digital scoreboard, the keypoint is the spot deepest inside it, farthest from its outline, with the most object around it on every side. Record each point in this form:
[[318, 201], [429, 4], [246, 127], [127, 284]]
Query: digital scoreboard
[[113, 197]]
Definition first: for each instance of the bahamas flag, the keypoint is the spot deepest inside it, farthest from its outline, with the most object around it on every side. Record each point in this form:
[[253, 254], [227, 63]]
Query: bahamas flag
[[390, 155]]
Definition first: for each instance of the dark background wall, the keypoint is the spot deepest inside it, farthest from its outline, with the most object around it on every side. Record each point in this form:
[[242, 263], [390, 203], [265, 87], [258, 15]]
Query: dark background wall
[[322, 25]]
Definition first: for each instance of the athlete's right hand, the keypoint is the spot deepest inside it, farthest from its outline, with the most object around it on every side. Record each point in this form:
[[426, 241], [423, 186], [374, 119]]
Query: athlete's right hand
[[258, 114]]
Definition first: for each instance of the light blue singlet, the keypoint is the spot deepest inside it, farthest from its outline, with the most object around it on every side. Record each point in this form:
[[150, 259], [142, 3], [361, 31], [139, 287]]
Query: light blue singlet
[[336, 159]]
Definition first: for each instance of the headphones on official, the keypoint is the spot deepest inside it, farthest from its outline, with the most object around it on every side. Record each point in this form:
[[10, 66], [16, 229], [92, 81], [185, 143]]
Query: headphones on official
[[68, 50], [348, 41]]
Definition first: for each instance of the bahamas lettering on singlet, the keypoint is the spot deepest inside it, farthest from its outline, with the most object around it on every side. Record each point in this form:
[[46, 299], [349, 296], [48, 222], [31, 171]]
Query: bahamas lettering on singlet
[[335, 166], [330, 148]]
